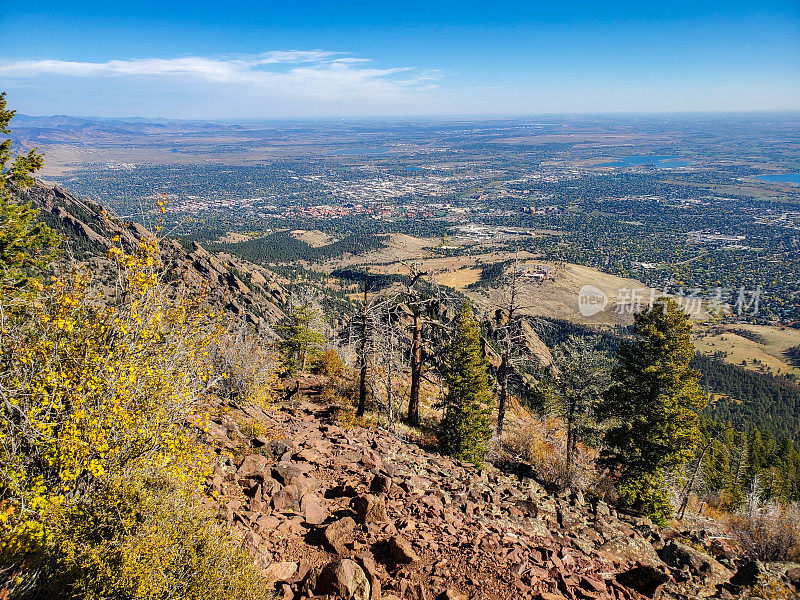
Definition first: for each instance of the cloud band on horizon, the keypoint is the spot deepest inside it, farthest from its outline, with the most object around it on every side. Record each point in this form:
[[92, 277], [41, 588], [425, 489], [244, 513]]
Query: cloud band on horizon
[[319, 74]]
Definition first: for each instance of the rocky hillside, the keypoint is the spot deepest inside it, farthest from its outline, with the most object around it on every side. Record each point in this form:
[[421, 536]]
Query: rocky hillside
[[90, 230], [356, 513]]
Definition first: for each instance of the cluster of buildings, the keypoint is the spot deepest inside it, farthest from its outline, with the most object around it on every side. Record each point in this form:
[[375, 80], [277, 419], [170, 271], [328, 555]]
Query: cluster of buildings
[[714, 238], [538, 273]]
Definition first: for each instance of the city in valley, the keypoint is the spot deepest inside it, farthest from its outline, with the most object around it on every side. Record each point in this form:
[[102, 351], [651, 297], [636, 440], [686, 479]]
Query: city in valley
[[702, 207]]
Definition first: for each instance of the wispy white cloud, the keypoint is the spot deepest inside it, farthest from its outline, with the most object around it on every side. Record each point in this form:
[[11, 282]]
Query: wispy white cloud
[[293, 56], [304, 73]]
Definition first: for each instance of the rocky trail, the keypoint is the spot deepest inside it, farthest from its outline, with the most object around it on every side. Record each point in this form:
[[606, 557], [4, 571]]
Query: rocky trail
[[356, 513]]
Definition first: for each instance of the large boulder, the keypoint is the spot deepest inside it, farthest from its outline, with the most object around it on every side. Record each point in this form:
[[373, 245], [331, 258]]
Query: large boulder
[[313, 509], [381, 484], [255, 466], [371, 508], [366, 561], [338, 534], [401, 550], [342, 578], [287, 500], [279, 571], [631, 549], [699, 564]]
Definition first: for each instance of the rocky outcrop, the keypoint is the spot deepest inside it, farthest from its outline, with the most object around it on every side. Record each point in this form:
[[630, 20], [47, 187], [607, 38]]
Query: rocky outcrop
[[342, 578], [381, 518], [89, 231]]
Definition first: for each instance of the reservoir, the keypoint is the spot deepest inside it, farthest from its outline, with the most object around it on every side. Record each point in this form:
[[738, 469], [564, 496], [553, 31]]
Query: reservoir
[[780, 178]]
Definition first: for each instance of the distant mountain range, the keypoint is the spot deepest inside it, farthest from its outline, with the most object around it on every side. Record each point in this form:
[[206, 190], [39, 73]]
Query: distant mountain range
[[31, 121]]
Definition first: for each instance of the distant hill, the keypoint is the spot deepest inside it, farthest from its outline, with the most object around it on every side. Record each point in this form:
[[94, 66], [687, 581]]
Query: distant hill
[[27, 121], [747, 399]]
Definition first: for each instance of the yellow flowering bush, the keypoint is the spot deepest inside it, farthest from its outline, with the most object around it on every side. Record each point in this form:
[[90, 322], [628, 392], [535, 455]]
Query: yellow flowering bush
[[99, 471]]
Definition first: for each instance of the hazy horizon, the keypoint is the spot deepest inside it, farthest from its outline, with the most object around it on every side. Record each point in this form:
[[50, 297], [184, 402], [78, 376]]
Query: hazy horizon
[[424, 117], [263, 61]]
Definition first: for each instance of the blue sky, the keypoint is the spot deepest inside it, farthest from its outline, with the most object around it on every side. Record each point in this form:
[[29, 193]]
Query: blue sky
[[304, 59]]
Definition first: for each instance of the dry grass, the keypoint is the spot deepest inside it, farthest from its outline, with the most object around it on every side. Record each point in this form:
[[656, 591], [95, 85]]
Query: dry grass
[[398, 247], [542, 443], [769, 534], [234, 237], [460, 278], [737, 348], [314, 238]]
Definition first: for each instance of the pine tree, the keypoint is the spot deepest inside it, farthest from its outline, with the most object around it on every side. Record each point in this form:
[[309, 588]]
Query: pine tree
[[21, 237], [466, 425], [300, 340], [653, 404]]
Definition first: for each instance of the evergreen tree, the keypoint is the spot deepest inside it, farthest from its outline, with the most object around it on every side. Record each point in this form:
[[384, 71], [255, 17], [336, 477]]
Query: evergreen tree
[[758, 454], [653, 403], [300, 340], [21, 237], [466, 425]]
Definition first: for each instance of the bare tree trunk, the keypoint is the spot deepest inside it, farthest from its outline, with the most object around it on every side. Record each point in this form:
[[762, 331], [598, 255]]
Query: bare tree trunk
[[570, 443], [416, 369], [508, 343], [362, 384], [389, 382], [501, 405], [690, 485], [741, 463]]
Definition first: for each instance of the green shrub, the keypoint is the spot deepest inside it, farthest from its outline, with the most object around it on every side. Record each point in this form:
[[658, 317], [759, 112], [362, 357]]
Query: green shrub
[[647, 494]]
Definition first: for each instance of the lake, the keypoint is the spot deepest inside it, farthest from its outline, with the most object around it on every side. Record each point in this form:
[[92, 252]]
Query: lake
[[656, 161], [780, 178]]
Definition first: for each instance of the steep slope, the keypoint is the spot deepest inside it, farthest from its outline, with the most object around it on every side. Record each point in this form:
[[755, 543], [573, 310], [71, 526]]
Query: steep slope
[[357, 513], [89, 231], [360, 514]]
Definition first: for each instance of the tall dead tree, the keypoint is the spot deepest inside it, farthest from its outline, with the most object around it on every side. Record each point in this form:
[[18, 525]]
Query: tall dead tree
[[390, 354], [389, 363], [364, 328], [415, 302], [509, 334], [362, 378], [690, 484], [374, 332]]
